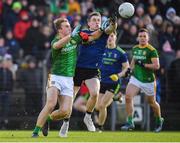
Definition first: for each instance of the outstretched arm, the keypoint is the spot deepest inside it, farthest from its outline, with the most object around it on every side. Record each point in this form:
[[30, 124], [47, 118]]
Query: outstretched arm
[[61, 42], [108, 26]]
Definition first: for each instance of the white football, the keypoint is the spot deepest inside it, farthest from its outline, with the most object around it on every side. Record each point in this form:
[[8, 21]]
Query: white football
[[126, 10]]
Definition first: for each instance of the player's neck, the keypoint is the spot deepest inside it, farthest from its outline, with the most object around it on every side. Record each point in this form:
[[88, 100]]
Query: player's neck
[[61, 35], [143, 45], [111, 46], [91, 29]]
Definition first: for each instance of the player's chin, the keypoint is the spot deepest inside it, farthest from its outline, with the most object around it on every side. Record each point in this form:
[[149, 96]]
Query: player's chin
[[142, 42], [97, 27], [68, 32]]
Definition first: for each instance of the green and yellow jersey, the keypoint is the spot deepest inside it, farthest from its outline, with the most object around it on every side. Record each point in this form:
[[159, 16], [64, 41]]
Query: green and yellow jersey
[[64, 59], [145, 53]]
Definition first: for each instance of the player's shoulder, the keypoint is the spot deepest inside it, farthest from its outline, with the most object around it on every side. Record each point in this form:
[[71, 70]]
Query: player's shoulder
[[150, 47], [119, 49], [55, 39], [86, 30], [135, 46]]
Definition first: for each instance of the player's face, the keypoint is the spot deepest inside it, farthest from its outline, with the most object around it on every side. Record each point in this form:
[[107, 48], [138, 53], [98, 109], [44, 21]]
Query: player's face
[[143, 38], [94, 23], [111, 40], [65, 28]]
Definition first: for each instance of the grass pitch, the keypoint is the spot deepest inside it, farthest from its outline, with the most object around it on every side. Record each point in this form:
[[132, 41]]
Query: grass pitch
[[84, 136]]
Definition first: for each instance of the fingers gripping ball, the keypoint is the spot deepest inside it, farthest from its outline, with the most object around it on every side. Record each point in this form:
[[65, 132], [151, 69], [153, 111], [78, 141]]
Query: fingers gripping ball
[[113, 18], [114, 77]]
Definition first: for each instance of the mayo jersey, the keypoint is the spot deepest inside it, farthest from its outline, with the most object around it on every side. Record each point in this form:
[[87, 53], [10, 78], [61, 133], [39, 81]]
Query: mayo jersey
[[64, 59], [112, 63], [145, 54], [90, 55]]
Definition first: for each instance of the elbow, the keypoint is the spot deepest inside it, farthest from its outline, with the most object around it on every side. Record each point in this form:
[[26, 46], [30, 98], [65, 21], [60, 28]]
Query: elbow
[[157, 67], [56, 46]]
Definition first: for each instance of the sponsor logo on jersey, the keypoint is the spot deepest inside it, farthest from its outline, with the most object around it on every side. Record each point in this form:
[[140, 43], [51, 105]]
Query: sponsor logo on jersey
[[68, 48]]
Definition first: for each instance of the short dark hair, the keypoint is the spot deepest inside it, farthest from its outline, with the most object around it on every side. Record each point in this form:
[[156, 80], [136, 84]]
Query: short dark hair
[[93, 14], [143, 30]]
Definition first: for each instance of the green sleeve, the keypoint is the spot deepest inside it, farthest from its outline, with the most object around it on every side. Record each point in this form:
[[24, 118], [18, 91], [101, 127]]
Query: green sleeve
[[154, 54]]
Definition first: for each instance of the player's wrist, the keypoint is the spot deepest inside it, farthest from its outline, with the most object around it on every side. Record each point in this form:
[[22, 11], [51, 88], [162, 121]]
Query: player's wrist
[[120, 75]]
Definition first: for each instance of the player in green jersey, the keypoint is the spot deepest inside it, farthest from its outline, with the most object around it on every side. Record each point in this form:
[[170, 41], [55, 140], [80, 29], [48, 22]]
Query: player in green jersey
[[60, 81], [144, 62]]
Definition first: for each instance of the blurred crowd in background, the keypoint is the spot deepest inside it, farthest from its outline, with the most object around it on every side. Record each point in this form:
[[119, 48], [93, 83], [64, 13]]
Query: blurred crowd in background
[[26, 31]]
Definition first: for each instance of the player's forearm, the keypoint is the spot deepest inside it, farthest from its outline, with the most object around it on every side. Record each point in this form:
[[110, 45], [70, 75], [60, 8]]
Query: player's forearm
[[132, 64], [152, 66], [124, 70], [59, 44], [122, 74], [112, 27]]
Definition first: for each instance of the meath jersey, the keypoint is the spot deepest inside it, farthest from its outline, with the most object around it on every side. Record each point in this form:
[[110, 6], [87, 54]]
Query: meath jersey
[[90, 55], [64, 59], [145, 54], [112, 63]]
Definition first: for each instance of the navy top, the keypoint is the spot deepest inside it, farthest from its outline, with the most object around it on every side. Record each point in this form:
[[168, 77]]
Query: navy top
[[90, 55], [112, 63]]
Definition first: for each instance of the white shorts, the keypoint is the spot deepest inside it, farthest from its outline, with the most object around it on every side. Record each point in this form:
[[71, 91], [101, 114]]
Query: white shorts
[[148, 88], [63, 83]]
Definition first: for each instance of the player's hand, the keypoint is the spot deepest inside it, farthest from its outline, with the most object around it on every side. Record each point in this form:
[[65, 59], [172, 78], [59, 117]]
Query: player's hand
[[75, 34], [114, 77], [104, 24], [113, 18], [140, 63], [84, 36], [76, 31], [79, 36], [128, 73]]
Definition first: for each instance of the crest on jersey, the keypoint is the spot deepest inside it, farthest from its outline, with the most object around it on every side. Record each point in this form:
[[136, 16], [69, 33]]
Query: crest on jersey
[[144, 53]]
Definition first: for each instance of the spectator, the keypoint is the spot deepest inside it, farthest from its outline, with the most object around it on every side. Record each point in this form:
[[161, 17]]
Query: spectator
[[22, 26], [46, 35], [13, 47], [3, 49], [41, 16], [173, 79], [6, 82], [74, 7], [167, 44], [33, 34], [87, 5], [170, 13], [11, 15], [31, 81], [152, 10], [132, 35]]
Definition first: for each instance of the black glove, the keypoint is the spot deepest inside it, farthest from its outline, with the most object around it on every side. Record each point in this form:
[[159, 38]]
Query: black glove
[[140, 63], [128, 72], [113, 18]]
